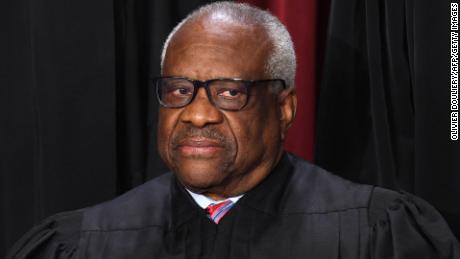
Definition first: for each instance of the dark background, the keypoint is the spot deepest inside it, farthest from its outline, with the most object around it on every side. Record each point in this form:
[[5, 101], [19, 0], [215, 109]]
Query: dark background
[[78, 118]]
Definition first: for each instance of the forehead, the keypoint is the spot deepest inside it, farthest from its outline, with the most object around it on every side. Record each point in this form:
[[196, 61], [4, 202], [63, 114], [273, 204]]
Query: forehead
[[206, 48]]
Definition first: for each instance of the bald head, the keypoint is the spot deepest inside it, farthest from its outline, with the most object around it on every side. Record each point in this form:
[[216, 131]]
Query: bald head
[[251, 25]]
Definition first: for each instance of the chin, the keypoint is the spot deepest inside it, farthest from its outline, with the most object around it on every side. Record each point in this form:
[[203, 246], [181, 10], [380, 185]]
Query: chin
[[199, 179], [200, 173], [197, 183]]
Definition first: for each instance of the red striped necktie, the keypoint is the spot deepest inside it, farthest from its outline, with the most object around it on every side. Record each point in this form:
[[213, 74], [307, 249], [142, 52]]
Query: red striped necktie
[[216, 211]]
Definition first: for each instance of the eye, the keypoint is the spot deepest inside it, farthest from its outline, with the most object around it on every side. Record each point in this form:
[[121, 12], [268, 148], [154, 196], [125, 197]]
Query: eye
[[230, 93], [180, 91]]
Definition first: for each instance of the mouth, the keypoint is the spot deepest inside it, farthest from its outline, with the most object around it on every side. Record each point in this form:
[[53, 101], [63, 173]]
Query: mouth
[[199, 146]]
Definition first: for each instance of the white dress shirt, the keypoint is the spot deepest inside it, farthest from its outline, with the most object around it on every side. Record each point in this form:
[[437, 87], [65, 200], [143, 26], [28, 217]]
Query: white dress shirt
[[203, 201]]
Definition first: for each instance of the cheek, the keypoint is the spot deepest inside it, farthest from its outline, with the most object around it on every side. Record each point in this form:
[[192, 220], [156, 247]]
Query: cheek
[[256, 131], [270, 126], [167, 120]]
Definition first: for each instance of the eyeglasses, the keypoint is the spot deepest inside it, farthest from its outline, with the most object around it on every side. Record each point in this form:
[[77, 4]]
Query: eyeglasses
[[225, 93]]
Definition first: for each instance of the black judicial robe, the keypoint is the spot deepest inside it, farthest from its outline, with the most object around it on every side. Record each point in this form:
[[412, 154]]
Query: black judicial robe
[[298, 211]]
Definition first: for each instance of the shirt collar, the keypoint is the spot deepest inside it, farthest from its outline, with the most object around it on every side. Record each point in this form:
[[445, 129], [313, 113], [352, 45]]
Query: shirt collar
[[203, 201]]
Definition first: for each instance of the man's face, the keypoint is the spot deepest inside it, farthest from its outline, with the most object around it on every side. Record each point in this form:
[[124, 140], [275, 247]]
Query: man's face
[[214, 151]]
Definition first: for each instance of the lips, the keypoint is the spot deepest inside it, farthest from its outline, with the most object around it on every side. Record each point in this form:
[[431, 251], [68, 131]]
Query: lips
[[199, 146]]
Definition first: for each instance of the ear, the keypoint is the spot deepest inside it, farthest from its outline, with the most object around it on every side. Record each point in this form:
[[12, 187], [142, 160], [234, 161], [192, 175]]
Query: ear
[[288, 107]]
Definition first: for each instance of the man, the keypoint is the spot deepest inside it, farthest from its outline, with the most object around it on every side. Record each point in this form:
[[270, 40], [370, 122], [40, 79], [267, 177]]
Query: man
[[227, 98]]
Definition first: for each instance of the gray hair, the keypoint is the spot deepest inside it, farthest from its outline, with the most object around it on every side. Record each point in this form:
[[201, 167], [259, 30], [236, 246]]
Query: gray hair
[[281, 62]]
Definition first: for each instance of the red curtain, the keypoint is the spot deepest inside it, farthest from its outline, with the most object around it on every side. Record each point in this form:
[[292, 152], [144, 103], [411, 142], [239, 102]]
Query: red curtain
[[299, 16]]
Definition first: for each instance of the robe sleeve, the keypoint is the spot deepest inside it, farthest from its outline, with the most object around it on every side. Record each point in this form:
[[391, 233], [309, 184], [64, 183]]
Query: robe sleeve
[[55, 237], [405, 226]]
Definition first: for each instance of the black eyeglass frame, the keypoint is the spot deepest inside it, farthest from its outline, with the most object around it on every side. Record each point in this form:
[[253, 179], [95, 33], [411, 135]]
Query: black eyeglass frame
[[197, 84]]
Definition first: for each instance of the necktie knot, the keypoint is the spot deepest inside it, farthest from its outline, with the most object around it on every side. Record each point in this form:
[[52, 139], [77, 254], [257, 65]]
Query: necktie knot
[[216, 211]]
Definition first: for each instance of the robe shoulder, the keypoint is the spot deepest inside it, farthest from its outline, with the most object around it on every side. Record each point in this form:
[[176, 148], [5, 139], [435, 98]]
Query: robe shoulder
[[55, 237], [58, 236], [145, 206], [405, 226], [400, 225], [312, 189]]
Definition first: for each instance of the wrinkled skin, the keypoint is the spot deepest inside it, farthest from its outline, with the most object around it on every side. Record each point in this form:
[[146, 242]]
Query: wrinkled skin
[[215, 152]]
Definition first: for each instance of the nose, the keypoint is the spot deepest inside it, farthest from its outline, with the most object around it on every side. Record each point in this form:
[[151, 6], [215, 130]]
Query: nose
[[201, 112]]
